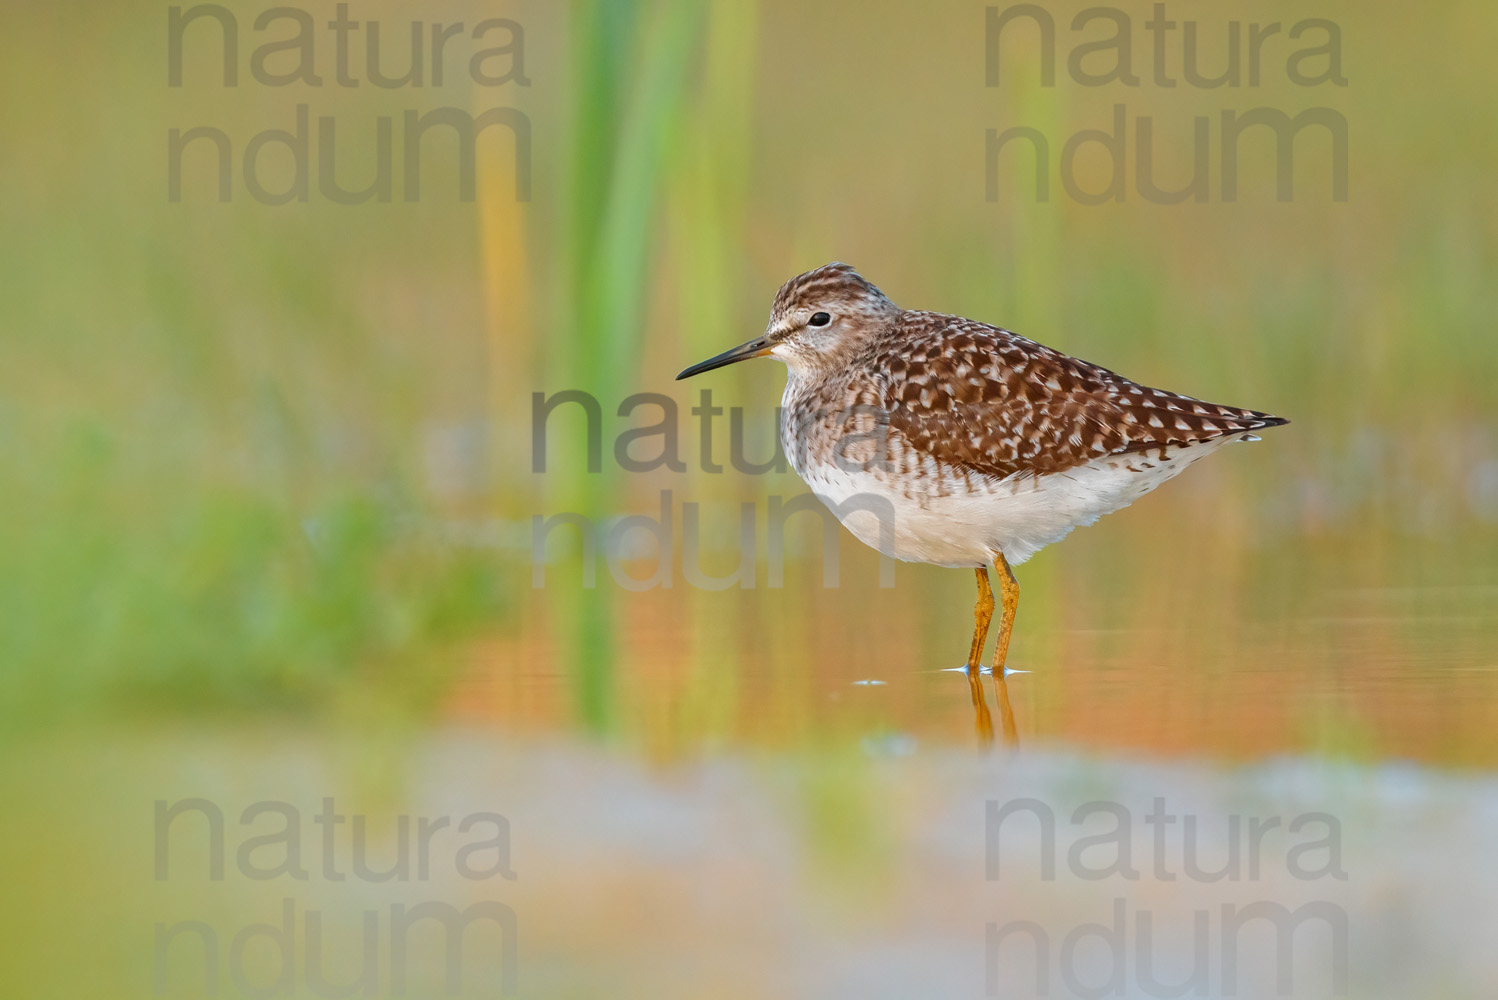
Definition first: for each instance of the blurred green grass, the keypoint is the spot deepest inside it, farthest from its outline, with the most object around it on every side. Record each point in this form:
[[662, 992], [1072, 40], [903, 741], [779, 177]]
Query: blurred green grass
[[219, 597]]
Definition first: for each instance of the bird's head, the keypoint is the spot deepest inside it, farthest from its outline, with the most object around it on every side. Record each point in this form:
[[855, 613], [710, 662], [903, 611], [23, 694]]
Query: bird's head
[[819, 320]]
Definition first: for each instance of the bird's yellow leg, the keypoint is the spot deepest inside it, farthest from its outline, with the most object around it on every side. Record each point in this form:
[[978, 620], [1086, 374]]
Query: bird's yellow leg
[[1009, 594], [982, 615]]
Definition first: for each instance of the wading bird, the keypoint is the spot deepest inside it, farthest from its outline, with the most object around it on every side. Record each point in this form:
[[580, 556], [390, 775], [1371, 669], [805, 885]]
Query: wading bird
[[943, 440]]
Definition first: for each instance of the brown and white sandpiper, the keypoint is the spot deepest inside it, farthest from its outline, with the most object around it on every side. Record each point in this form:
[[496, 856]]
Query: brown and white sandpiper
[[943, 440]]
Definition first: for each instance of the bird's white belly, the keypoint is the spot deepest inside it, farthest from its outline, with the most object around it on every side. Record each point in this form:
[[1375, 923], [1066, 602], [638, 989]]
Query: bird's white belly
[[940, 519]]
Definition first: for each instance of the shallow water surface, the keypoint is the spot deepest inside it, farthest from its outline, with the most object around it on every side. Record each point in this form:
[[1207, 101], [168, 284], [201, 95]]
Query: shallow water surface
[[1274, 656], [1249, 770]]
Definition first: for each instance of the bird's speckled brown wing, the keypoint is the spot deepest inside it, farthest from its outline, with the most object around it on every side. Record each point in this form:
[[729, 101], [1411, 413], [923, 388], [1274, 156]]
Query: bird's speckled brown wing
[[990, 402]]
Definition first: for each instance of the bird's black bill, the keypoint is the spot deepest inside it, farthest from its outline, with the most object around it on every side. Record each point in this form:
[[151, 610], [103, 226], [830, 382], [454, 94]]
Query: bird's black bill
[[756, 348]]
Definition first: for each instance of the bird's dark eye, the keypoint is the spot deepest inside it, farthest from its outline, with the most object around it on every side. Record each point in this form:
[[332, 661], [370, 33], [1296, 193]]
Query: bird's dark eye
[[820, 319]]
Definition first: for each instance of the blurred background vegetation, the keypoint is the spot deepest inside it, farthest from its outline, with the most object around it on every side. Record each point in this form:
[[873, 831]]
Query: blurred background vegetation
[[279, 457]]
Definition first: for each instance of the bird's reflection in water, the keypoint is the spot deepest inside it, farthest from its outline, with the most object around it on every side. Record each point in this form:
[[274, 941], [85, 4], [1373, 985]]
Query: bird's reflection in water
[[982, 720]]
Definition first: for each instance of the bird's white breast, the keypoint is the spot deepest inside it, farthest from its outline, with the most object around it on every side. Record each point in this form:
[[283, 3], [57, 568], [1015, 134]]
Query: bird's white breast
[[940, 516]]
